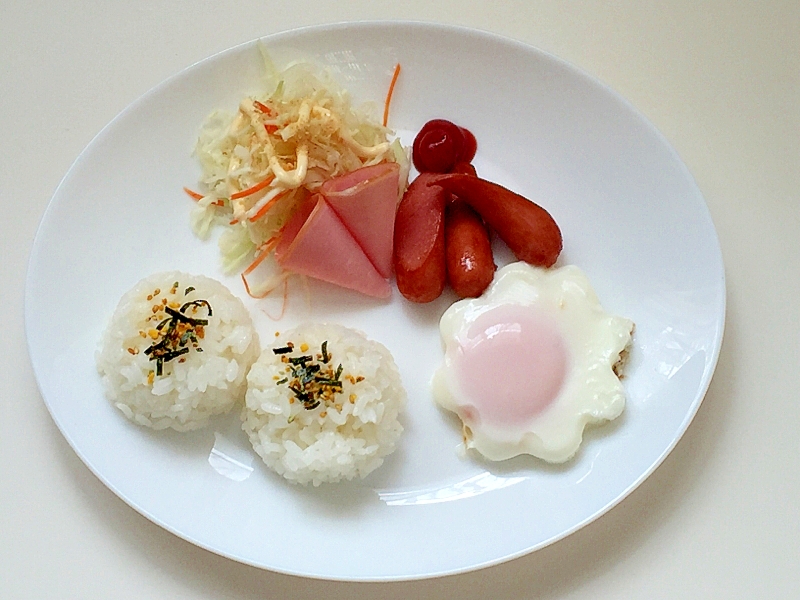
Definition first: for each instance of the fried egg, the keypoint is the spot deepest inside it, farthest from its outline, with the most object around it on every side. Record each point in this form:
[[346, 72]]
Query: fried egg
[[531, 362]]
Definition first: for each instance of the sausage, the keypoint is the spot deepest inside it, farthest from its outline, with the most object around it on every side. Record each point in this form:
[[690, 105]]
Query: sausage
[[526, 228], [464, 167], [468, 251], [419, 250]]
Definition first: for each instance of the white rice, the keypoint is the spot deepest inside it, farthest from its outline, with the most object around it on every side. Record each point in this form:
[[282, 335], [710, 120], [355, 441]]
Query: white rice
[[206, 381], [343, 437]]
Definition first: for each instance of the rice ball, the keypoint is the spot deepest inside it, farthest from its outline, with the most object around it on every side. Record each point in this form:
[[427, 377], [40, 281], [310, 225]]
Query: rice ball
[[323, 404], [177, 351]]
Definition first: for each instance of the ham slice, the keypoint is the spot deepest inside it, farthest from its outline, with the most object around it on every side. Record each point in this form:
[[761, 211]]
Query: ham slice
[[315, 242], [366, 202]]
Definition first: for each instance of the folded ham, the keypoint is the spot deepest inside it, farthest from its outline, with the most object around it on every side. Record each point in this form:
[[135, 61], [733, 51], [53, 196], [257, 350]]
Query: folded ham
[[316, 243], [366, 202], [344, 233]]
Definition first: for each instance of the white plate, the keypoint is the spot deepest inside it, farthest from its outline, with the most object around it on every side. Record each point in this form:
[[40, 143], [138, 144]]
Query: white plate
[[632, 218]]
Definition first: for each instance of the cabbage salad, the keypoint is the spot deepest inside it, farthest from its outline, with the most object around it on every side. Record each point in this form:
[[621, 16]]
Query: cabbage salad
[[280, 146]]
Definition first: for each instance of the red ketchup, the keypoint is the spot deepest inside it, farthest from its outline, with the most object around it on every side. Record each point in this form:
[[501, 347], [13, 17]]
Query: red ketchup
[[440, 144]]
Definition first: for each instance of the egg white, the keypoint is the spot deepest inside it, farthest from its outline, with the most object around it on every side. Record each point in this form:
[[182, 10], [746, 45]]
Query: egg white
[[591, 391]]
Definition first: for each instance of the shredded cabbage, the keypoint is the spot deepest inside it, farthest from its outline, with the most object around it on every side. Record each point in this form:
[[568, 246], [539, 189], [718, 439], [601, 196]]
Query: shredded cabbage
[[278, 147]]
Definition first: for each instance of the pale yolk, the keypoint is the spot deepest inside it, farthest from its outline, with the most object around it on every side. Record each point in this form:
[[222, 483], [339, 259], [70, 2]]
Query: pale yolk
[[511, 364]]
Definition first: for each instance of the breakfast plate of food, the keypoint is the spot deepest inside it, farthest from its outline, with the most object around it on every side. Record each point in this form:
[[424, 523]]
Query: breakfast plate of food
[[325, 306]]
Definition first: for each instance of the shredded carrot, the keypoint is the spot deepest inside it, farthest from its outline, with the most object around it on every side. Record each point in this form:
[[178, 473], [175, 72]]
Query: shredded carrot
[[285, 302], [264, 209], [193, 194], [283, 278], [262, 107], [258, 260], [270, 128], [252, 190], [265, 248], [199, 196], [246, 286], [389, 94]]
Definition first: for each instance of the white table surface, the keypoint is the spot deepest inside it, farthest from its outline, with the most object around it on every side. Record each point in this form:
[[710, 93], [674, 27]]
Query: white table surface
[[718, 519]]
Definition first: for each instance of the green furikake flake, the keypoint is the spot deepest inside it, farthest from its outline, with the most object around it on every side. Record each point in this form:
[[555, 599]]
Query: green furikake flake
[[325, 356], [197, 303], [176, 335], [312, 379]]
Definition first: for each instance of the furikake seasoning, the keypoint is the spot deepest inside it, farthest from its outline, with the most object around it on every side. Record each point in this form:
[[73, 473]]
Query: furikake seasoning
[[311, 377], [179, 330]]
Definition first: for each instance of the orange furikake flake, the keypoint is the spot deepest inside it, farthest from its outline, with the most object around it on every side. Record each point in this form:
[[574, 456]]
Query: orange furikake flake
[[311, 378], [176, 335]]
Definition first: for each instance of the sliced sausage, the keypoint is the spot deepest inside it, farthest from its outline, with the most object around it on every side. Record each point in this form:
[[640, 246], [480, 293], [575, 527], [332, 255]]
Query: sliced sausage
[[464, 167]]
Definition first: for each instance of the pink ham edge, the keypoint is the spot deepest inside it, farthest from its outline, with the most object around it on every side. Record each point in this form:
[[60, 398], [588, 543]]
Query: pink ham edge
[[366, 202], [316, 243]]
